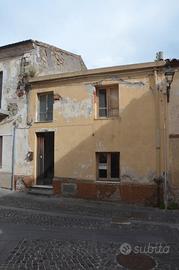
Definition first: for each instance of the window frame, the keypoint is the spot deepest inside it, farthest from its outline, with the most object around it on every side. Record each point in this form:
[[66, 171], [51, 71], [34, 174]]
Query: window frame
[[108, 178], [108, 98], [38, 106]]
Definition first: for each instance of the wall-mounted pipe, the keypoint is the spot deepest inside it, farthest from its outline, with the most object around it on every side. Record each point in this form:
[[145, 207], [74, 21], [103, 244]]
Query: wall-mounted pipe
[[13, 154]]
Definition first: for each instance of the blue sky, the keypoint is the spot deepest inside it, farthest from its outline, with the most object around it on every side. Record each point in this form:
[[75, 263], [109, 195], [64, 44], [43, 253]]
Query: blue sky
[[104, 32]]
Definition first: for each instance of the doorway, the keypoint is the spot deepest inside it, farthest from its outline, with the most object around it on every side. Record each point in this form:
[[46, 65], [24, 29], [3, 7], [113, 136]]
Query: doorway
[[45, 158]]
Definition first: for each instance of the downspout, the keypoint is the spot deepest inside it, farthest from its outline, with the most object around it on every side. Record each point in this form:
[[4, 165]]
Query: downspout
[[162, 138], [165, 139], [156, 92], [13, 154], [158, 131]]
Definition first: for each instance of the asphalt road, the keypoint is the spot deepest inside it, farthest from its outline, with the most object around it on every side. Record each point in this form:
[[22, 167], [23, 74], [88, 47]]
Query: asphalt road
[[56, 233]]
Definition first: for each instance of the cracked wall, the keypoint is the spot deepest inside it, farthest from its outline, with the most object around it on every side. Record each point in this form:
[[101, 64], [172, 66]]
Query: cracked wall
[[19, 63], [79, 134]]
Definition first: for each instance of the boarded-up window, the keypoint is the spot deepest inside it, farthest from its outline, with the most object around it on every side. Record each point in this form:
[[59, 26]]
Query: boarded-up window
[[1, 78], [108, 101], [45, 107], [108, 166], [1, 140]]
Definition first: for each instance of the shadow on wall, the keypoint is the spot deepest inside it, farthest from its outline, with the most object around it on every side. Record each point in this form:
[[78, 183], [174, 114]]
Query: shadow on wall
[[133, 135]]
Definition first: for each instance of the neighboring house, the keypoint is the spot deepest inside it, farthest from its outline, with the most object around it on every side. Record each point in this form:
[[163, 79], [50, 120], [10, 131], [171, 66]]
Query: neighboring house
[[19, 62], [174, 136], [103, 133]]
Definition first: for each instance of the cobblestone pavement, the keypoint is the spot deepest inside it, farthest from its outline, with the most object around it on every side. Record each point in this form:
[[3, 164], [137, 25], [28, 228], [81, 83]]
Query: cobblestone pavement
[[86, 208], [44, 233], [55, 254]]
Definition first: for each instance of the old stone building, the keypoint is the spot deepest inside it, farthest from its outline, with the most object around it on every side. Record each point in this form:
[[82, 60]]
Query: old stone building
[[104, 133], [19, 62]]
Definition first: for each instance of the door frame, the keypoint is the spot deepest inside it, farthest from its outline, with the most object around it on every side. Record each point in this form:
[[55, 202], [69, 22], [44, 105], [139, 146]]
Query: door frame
[[36, 151]]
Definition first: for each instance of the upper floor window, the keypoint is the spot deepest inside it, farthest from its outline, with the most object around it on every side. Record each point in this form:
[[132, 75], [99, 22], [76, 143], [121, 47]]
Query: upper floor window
[[107, 101], [1, 78], [108, 166], [45, 112]]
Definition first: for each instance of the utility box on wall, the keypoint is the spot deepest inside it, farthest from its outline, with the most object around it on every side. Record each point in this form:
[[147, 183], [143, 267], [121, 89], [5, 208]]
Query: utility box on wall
[[69, 189]]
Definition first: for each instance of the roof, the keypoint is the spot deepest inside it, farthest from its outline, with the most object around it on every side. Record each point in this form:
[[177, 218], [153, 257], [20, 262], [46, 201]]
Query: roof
[[24, 42], [99, 71], [18, 48], [31, 41]]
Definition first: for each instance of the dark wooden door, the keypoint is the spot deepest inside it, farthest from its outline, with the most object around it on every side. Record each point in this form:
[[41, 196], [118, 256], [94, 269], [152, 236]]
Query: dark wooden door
[[45, 158], [40, 158]]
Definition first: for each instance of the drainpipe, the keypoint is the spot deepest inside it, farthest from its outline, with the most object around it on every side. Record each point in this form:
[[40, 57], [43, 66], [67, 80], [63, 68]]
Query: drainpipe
[[13, 154], [158, 179], [166, 150], [162, 137], [169, 75], [165, 155], [158, 131]]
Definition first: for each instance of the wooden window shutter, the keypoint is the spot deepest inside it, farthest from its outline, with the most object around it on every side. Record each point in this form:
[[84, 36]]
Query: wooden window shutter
[[113, 101]]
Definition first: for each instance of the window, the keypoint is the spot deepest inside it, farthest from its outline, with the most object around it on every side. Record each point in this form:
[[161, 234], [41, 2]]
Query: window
[[1, 77], [108, 166], [108, 101], [45, 107], [1, 151]]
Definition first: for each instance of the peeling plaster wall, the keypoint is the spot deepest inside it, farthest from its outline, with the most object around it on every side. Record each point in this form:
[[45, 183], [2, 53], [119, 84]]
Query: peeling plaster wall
[[39, 60], [21, 150], [48, 60], [79, 134], [173, 106], [11, 69], [71, 108], [174, 132]]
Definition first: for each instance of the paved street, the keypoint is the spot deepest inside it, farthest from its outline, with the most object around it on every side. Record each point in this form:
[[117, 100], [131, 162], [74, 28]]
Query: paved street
[[55, 233]]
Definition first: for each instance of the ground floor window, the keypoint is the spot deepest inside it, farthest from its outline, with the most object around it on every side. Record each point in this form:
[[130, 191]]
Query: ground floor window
[[108, 166], [1, 139]]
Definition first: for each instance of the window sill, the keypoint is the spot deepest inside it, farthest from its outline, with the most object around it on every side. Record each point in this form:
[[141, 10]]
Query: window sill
[[39, 122], [107, 118], [108, 181]]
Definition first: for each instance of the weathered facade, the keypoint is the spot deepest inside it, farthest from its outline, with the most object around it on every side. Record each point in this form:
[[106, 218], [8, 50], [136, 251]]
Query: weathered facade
[[19, 62], [107, 134], [174, 138]]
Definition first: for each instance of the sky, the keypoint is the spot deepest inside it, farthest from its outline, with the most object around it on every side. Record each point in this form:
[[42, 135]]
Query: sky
[[103, 32]]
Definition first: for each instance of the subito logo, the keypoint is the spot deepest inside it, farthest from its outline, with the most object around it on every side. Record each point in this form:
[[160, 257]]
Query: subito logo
[[125, 249]]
